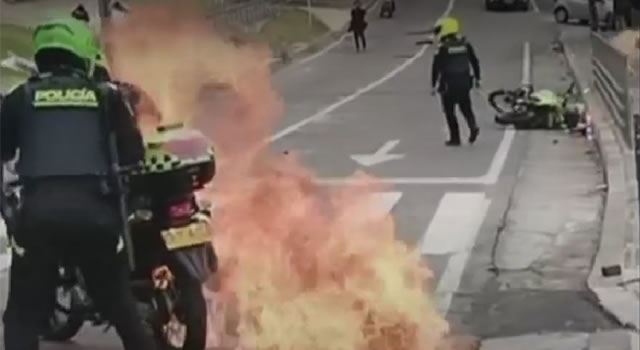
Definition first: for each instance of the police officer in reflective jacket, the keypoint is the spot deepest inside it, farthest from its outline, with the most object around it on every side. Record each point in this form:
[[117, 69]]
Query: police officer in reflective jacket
[[58, 122], [451, 76]]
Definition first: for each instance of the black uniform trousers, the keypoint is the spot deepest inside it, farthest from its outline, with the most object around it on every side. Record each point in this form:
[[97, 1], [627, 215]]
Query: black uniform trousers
[[360, 39], [462, 99], [60, 218]]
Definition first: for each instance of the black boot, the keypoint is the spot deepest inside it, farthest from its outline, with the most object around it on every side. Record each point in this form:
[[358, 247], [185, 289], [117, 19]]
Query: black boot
[[473, 136], [452, 143]]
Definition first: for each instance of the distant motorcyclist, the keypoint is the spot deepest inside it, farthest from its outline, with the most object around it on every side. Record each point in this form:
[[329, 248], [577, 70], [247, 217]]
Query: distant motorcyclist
[[59, 122], [451, 77]]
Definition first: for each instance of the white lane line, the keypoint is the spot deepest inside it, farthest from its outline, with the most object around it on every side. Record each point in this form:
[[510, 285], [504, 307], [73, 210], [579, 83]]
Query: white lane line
[[455, 223], [450, 280], [490, 178], [453, 230], [323, 112], [499, 158], [323, 51]]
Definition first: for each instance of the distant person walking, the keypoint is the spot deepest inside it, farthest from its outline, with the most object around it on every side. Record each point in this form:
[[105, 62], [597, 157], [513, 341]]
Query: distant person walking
[[358, 26]]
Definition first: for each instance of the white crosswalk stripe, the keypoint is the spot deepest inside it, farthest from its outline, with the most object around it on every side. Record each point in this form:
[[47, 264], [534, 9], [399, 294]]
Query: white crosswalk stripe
[[453, 230]]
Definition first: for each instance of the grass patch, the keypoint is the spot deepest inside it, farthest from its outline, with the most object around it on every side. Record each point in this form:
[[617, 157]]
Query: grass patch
[[14, 39], [290, 27]]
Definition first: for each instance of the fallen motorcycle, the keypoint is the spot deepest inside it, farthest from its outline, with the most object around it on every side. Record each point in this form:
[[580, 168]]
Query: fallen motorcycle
[[178, 256], [540, 109]]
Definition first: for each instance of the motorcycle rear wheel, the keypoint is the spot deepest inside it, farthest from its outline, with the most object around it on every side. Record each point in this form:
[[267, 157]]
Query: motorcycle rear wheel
[[64, 329], [188, 329]]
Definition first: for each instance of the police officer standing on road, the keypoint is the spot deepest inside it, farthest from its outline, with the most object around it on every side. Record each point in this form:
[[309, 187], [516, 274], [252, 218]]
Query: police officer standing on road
[[59, 122], [451, 76]]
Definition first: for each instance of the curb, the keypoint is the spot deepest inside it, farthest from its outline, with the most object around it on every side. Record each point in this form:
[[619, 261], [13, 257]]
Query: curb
[[289, 55], [617, 300]]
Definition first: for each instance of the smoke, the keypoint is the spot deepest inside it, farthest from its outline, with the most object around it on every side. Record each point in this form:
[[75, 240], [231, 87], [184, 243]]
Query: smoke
[[216, 81]]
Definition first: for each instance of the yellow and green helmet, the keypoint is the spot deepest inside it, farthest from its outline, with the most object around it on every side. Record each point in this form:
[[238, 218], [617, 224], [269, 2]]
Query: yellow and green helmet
[[175, 147], [446, 26], [68, 34]]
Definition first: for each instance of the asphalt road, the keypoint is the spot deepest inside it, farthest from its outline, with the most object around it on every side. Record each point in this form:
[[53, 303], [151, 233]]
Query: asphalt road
[[341, 104]]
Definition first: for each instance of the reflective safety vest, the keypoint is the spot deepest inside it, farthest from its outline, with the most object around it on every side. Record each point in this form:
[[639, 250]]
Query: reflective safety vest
[[457, 60], [61, 131]]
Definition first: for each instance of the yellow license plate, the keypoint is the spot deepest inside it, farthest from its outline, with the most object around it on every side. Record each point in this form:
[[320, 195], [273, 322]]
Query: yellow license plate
[[196, 233]]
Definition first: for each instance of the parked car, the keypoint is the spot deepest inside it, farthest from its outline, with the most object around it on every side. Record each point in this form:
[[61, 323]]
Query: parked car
[[568, 10], [522, 5]]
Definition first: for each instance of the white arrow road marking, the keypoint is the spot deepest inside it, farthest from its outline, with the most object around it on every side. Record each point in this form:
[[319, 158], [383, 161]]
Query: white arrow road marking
[[490, 178], [453, 230], [380, 156]]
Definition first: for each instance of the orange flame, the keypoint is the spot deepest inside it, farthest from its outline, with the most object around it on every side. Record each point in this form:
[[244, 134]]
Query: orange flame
[[302, 267]]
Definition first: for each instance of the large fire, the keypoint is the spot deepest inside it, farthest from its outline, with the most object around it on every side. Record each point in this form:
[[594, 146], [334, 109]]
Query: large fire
[[302, 267]]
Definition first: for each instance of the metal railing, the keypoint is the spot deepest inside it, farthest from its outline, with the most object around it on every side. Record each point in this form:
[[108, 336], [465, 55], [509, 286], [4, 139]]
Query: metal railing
[[612, 76], [246, 13]]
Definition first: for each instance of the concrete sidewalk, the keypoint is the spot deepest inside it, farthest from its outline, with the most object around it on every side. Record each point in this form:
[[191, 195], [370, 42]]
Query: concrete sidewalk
[[611, 340], [619, 242], [543, 254]]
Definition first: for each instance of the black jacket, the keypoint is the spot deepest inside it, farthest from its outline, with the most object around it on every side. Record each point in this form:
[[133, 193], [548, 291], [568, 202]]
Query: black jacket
[[358, 22], [453, 65], [18, 106]]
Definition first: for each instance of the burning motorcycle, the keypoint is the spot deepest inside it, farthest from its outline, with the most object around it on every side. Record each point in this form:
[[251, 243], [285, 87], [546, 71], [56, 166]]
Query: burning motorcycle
[[541, 109], [171, 240]]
